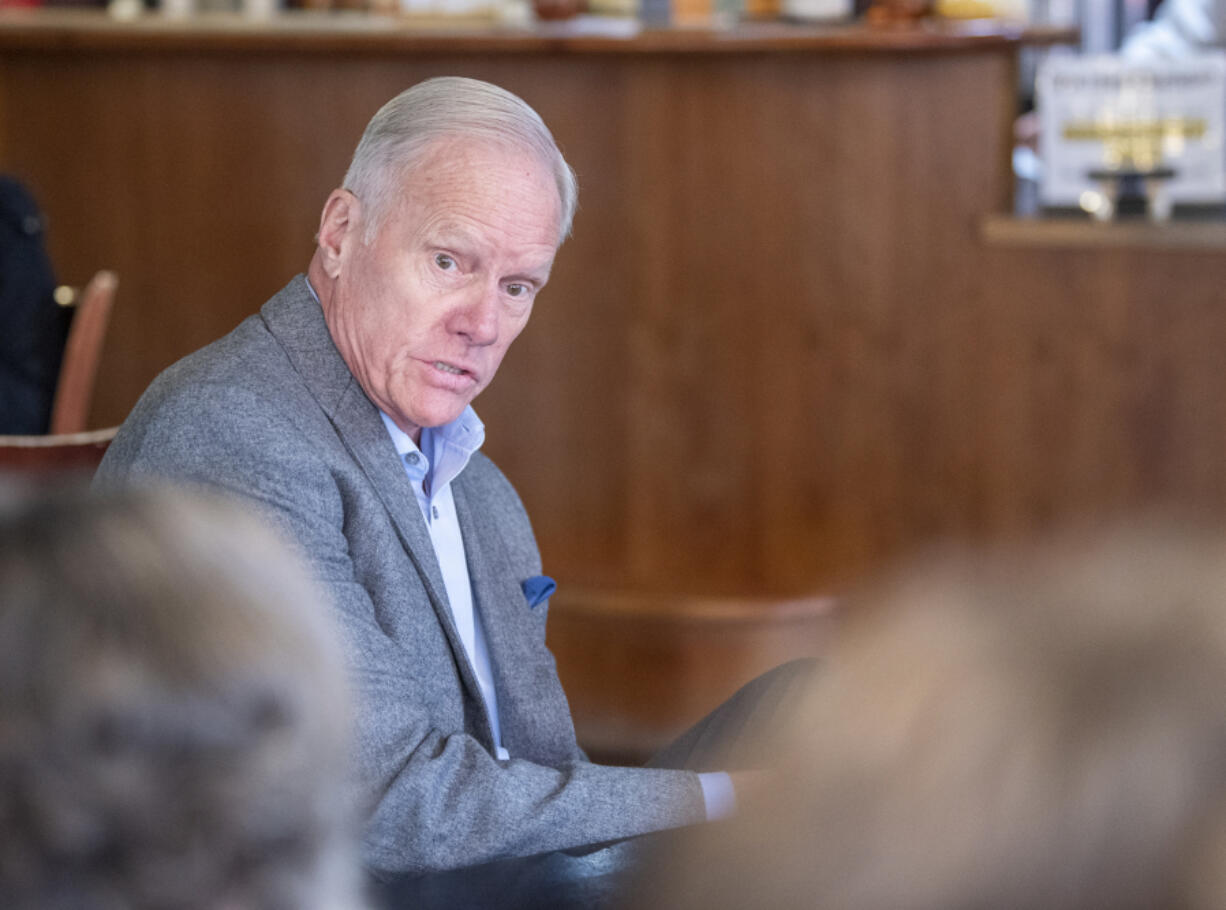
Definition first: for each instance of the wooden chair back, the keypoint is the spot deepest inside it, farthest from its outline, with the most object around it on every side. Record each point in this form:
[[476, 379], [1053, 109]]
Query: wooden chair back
[[639, 668], [74, 391], [37, 457]]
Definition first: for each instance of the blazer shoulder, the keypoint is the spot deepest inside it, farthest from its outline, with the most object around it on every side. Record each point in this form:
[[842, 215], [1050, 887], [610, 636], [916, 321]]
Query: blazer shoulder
[[234, 394], [253, 358]]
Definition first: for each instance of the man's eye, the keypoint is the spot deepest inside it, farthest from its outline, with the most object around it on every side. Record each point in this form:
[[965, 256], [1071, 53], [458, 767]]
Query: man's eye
[[517, 290], [444, 262]]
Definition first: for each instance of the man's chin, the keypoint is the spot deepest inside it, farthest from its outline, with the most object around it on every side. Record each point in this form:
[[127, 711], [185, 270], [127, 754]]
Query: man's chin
[[428, 411], [437, 417]]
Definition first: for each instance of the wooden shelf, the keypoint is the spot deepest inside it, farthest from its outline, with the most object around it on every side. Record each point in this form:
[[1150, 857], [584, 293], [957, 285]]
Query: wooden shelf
[[1193, 235], [93, 30]]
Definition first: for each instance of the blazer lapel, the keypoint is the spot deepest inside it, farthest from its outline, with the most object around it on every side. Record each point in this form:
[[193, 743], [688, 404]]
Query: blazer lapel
[[294, 317], [529, 699], [361, 429]]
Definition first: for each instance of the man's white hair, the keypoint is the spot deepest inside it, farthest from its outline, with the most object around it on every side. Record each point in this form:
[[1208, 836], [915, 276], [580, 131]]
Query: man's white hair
[[402, 131]]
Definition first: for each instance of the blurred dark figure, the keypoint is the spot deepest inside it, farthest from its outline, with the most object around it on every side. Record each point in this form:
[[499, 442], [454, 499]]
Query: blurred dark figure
[[33, 328], [1038, 732], [173, 717]]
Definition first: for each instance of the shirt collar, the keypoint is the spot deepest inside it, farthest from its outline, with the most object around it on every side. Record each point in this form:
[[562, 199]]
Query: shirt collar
[[445, 449], [466, 433]]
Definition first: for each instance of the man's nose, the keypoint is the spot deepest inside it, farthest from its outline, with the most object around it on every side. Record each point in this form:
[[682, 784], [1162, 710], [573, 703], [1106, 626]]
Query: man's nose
[[477, 318]]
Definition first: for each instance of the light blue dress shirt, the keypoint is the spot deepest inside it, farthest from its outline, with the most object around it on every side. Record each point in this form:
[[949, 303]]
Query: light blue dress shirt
[[442, 455]]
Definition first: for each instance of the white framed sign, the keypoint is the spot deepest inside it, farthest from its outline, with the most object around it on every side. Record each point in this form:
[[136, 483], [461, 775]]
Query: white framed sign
[[1106, 113]]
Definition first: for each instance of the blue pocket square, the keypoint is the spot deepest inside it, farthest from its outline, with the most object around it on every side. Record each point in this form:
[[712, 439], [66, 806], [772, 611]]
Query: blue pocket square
[[538, 588]]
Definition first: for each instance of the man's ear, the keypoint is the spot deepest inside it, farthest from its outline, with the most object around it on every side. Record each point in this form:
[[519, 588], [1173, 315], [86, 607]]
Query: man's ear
[[340, 227]]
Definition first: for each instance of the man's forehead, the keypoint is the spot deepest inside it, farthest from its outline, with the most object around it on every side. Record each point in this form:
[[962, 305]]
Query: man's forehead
[[461, 144], [470, 221], [455, 155]]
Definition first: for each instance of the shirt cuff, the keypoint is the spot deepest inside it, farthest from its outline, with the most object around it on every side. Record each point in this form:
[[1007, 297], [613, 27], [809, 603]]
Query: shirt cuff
[[718, 794]]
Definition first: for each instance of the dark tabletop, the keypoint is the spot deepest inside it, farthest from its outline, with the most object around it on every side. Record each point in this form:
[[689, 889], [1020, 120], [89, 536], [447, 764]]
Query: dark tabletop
[[596, 880]]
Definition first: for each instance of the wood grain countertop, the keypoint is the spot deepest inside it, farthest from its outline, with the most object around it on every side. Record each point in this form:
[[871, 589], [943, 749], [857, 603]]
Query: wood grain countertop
[[321, 32]]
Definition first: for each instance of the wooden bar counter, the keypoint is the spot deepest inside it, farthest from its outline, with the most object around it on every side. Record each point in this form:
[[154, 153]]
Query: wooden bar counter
[[781, 348], [751, 345]]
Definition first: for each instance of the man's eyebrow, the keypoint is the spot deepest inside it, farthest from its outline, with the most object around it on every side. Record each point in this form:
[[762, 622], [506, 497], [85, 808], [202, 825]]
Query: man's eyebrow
[[538, 276], [450, 232], [462, 239], [537, 273]]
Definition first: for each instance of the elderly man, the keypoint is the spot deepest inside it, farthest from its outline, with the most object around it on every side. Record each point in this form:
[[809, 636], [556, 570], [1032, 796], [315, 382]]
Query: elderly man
[[343, 409]]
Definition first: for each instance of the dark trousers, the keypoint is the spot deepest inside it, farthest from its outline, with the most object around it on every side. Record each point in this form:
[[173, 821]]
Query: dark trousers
[[737, 736]]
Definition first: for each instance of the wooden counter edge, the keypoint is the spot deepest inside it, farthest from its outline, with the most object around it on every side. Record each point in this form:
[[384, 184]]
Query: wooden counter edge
[[93, 30], [1070, 232]]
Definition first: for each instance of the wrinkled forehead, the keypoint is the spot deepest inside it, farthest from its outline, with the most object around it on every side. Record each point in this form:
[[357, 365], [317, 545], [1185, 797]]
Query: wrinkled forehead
[[453, 153]]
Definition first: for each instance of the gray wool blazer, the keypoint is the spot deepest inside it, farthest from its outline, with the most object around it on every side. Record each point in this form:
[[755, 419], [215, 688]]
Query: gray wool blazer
[[271, 412]]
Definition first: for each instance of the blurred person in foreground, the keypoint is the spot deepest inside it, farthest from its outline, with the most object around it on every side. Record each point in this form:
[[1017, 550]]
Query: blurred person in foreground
[[173, 719], [343, 409], [1041, 731]]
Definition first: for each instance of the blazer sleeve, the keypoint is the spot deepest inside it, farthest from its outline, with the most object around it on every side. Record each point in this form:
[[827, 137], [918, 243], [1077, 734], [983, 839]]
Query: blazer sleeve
[[436, 799]]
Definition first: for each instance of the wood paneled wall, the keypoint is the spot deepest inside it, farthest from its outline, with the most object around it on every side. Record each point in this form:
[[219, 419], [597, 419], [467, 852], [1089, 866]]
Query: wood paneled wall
[[748, 373], [776, 353]]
